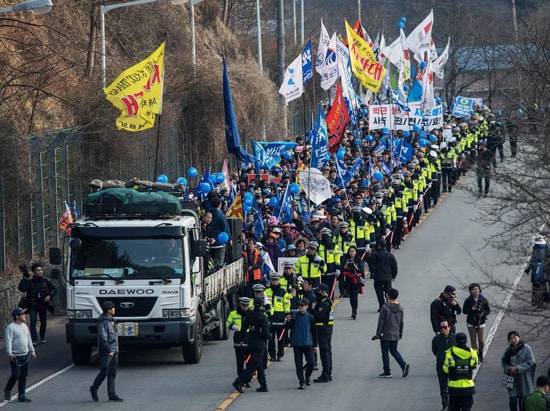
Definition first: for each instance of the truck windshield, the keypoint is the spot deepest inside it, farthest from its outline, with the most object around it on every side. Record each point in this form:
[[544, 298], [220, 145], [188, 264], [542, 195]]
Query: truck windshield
[[128, 258]]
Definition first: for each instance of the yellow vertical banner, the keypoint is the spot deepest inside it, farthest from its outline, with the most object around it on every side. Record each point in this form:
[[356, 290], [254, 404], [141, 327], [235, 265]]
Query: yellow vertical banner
[[137, 93], [364, 65]]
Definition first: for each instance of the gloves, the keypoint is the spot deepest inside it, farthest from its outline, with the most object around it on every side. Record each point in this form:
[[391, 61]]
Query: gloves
[[25, 271]]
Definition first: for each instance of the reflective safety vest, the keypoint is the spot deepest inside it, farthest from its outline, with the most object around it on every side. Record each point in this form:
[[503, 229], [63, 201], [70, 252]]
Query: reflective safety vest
[[280, 304], [460, 364], [310, 267], [344, 242], [253, 274], [331, 257]]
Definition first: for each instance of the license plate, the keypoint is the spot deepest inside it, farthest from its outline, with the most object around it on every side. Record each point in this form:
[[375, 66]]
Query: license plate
[[128, 329]]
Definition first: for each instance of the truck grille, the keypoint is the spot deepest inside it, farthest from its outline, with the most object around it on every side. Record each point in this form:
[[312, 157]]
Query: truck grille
[[131, 306]]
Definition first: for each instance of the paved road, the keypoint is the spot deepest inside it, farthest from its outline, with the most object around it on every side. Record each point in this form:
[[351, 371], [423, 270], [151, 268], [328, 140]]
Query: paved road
[[443, 250]]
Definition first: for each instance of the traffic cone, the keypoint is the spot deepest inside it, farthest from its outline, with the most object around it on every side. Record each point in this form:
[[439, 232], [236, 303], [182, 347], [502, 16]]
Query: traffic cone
[[405, 226]]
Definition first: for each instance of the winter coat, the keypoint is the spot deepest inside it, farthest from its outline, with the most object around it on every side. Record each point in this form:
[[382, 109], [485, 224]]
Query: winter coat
[[107, 337], [37, 289], [524, 360], [383, 265], [482, 307], [390, 322]]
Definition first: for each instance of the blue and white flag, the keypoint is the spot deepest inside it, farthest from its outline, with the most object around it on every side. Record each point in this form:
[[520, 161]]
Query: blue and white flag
[[283, 210], [293, 83], [307, 65], [386, 169], [258, 221], [403, 151], [268, 154], [319, 141]]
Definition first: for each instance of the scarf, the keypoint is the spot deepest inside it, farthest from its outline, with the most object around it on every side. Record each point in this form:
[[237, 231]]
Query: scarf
[[513, 351]]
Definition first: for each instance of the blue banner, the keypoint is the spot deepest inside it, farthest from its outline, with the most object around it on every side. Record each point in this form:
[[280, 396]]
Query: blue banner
[[307, 66], [403, 151], [319, 141], [269, 154]]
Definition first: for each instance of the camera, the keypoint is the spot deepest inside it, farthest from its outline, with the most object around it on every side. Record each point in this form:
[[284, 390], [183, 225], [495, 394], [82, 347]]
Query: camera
[[25, 271], [292, 314]]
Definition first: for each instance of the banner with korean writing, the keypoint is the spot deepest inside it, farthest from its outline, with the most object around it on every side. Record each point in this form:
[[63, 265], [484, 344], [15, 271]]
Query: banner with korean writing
[[392, 117]]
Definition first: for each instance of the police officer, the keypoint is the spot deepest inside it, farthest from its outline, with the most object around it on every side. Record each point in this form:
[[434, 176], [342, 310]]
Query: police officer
[[279, 300], [240, 338], [288, 279], [311, 265], [330, 253], [460, 362], [323, 311], [256, 325]]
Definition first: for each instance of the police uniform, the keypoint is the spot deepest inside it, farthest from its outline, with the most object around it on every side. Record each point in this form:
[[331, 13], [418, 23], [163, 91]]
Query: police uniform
[[311, 265], [279, 300], [240, 338], [324, 321]]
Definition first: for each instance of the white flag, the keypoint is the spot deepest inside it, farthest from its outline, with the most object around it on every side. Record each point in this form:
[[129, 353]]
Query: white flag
[[293, 86], [428, 96], [439, 63], [324, 41], [404, 67], [419, 40], [329, 71]]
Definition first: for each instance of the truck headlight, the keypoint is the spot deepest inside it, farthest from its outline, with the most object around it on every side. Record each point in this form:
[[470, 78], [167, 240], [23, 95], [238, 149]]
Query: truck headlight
[[80, 314], [173, 313]]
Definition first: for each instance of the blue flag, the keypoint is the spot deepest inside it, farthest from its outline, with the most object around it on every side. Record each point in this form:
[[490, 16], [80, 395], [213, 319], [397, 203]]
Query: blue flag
[[403, 151], [385, 168], [319, 141], [75, 210], [258, 221], [269, 154], [307, 66], [231, 130], [283, 210]]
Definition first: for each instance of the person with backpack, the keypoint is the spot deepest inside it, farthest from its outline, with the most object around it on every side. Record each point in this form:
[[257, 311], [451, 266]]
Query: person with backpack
[[538, 268], [460, 363]]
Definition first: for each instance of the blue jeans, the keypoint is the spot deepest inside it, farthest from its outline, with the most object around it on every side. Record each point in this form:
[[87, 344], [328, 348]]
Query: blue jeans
[[390, 346], [19, 372], [42, 313]]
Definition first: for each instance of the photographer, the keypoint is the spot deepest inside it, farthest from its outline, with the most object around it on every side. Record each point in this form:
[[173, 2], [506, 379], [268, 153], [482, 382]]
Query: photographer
[[354, 274], [40, 292], [476, 307]]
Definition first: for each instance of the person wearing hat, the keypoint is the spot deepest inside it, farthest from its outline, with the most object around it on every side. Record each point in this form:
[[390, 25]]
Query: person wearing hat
[[301, 244], [303, 337], [445, 307], [253, 264], [20, 350], [288, 279], [389, 331], [240, 339], [359, 228], [440, 344], [344, 239], [477, 308], [288, 236], [539, 268], [291, 251], [330, 253], [311, 265], [323, 311], [460, 363], [279, 300], [255, 325], [483, 168]]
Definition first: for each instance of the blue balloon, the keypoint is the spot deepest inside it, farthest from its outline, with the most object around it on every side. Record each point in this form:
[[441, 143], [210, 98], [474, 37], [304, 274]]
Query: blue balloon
[[422, 64], [364, 182], [422, 134], [248, 196], [204, 188], [438, 100], [273, 202], [248, 201], [162, 178], [223, 237], [423, 142], [406, 134], [364, 111], [212, 178], [287, 155], [400, 26], [247, 207], [369, 138], [192, 172], [403, 20], [220, 178], [340, 154], [182, 181], [385, 130], [432, 138], [378, 176], [294, 188], [416, 128]]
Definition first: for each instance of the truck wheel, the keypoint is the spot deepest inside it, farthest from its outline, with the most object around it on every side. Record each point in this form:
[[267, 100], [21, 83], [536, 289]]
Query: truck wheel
[[221, 333], [81, 354], [192, 352]]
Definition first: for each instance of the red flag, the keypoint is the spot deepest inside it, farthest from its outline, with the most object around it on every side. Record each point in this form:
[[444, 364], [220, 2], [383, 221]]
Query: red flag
[[337, 120], [66, 220]]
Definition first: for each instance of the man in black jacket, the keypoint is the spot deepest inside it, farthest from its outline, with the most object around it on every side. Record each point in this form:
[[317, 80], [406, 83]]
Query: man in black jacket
[[255, 323], [445, 307], [383, 268], [324, 321], [440, 344]]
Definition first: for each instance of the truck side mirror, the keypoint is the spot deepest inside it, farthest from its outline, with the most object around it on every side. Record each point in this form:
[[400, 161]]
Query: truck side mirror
[[55, 274], [200, 248], [75, 244], [55, 256]]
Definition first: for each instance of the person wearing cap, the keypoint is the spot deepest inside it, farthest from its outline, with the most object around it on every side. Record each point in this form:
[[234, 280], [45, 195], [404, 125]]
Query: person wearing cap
[[477, 308], [256, 327], [460, 363], [389, 331], [290, 251], [383, 269], [20, 350], [40, 292], [303, 337], [253, 265], [539, 268], [440, 344], [311, 265], [288, 236], [330, 253], [301, 244], [359, 228], [107, 351], [323, 311], [445, 307], [344, 239], [279, 300], [483, 168], [240, 340]]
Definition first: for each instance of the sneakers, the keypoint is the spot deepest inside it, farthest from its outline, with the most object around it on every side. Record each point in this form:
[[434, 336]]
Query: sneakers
[[261, 389], [384, 375], [115, 398], [7, 395], [322, 378], [301, 387], [43, 341], [93, 392], [22, 398], [308, 381], [237, 385], [406, 370]]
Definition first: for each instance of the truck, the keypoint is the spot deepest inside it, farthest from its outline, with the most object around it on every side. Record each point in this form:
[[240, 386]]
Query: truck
[[143, 250]]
